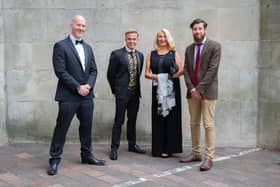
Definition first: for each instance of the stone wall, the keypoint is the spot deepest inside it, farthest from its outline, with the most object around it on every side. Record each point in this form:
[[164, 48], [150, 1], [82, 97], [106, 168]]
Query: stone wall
[[269, 76], [31, 28], [3, 138]]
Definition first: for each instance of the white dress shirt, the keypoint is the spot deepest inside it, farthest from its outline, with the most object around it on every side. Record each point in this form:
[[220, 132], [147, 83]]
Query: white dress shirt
[[80, 49], [129, 50], [196, 49]]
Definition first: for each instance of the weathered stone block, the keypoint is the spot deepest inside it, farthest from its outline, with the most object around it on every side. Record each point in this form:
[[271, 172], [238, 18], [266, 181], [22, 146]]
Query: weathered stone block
[[103, 121], [265, 55], [231, 20], [3, 134], [268, 124], [102, 52], [2, 58], [269, 85], [238, 3], [145, 4], [249, 117], [45, 118], [270, 27], [58, 23], [275, 55], [18, 4], [248, 84], [106, 15], [270, 56], [21, 86], [228, 123], [2, 86], [20, 122], [19, 56], [108, 4], [102, 88], [72, 4], [30, 25], [42, 56], [136, 18], [240, 55], [107, 32], [46, 83], [229, 84], [2, 27]]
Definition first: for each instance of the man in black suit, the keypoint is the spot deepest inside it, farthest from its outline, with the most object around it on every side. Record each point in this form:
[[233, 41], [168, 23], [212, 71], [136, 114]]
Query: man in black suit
[[123, 74], [75, 67]]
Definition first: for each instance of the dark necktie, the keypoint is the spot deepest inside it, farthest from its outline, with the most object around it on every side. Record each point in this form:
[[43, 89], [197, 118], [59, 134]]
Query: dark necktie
[[195, 81], [79, 41]]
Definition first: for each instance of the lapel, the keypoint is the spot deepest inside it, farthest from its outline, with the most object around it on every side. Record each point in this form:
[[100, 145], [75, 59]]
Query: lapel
[[192, 56], [138, 62], [86, 55], [203, 52], [70, 44], [72, 47]]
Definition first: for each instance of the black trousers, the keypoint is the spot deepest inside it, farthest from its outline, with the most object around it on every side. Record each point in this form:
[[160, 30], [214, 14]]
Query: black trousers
[[67, 110], [130, 104]]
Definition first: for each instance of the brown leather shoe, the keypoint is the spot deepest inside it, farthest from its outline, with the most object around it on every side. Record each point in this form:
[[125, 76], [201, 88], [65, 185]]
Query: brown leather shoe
[[206, 165], [191, 158]]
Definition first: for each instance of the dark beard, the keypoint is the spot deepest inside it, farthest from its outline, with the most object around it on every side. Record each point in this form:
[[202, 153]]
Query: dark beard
[[198, 40]]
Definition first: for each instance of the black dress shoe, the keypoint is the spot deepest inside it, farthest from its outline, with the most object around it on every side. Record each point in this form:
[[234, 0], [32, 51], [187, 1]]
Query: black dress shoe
[[114, 154], [53, 166], [92, 161], [136, 149]]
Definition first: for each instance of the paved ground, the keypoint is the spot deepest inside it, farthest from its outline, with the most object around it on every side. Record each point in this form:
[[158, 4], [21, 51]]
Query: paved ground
[[25, 165]]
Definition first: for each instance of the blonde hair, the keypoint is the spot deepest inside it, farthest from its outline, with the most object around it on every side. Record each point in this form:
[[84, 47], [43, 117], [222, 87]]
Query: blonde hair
[[170, 41], [131, 31]]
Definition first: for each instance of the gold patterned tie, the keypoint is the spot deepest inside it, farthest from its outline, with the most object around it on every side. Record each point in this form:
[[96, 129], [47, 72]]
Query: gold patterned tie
[[132, 70]]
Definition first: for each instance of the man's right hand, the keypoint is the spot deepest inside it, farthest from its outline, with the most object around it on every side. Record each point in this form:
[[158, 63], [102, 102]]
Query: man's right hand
[[83, 90], [196, 94]]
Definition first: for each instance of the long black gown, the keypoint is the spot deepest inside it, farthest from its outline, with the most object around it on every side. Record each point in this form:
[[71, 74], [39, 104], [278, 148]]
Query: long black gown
[[166, 131]]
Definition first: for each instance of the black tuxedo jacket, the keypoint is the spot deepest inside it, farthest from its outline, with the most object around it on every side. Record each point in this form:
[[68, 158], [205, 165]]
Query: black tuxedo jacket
[[68, 69], [118, 72]]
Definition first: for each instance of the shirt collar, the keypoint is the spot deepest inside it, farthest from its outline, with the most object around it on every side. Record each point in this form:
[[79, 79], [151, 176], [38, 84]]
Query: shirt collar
[[203, 41], [73, 39], [129, 50]]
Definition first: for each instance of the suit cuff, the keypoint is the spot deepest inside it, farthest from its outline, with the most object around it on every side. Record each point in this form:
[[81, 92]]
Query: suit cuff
[[201, 91]]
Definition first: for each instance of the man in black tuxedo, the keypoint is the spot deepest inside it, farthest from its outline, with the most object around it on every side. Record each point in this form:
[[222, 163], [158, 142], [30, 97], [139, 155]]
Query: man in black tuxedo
[[75, 67], [123, 74]]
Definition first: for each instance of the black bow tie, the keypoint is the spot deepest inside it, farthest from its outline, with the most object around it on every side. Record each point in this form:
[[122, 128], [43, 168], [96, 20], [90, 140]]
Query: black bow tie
[[79, 41]]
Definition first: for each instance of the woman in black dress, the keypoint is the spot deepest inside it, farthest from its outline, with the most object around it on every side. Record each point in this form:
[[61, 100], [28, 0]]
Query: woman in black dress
[[166, 123]]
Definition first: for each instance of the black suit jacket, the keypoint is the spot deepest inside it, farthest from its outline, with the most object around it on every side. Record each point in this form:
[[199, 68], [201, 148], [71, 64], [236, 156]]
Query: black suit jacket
[[118, 72], [68, 69]]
